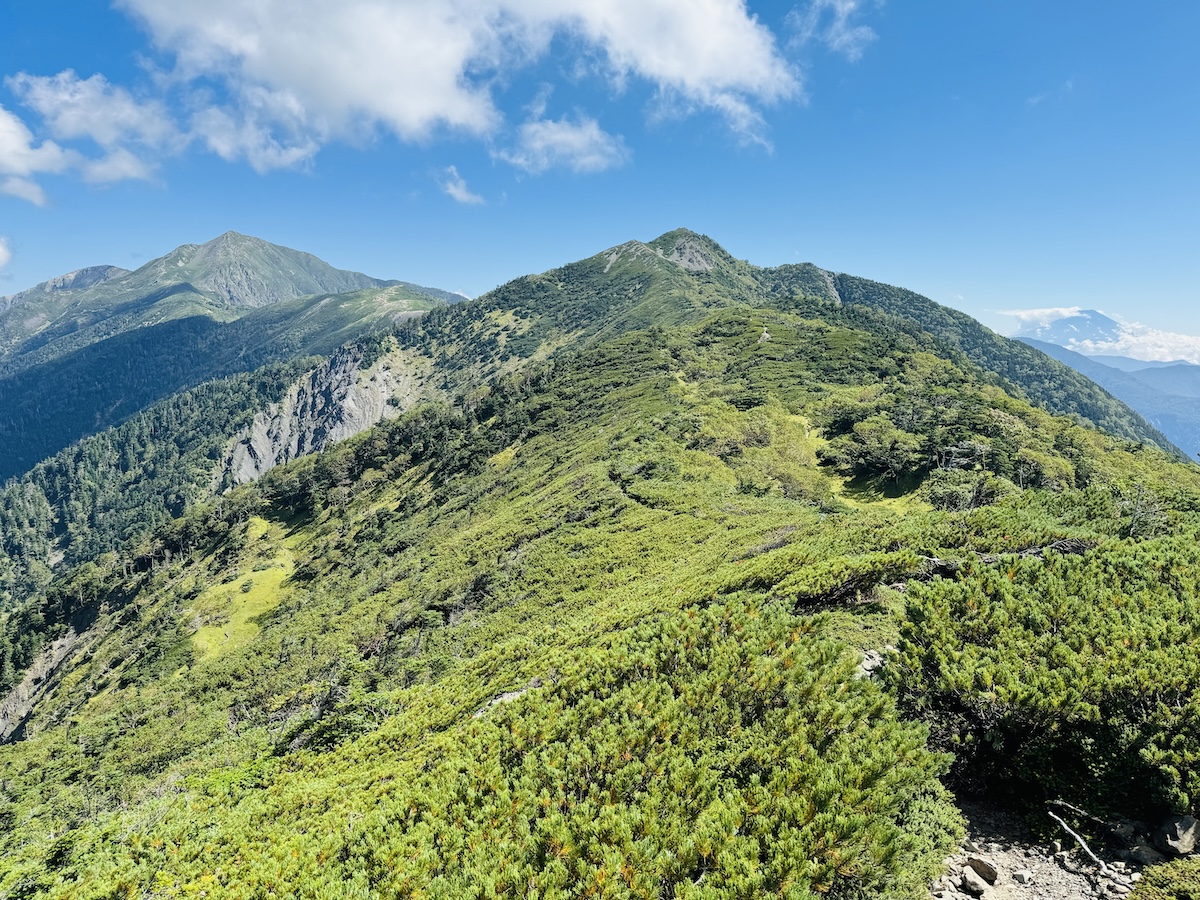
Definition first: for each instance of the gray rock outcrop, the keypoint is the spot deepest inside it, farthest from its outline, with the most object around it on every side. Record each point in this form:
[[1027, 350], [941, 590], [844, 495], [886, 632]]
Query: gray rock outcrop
[[1178, 836], [330, 403]]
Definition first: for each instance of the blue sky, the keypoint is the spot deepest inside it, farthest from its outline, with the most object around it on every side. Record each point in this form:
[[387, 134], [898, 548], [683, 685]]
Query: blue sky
[[993, 156]]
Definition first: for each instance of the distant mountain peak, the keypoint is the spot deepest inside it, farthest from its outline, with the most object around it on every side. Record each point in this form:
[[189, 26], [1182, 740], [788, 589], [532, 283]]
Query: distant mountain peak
[[1068, 327], [72, 281], [244, 271], [694, 252]]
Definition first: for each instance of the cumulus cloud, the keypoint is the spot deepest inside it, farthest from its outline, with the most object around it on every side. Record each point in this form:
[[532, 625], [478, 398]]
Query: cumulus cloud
[[456, 186], [5, 252], [420, 67], [74, 107], [1143, 342], [21, 161], [580, 145], [267, 132], [832, 22]]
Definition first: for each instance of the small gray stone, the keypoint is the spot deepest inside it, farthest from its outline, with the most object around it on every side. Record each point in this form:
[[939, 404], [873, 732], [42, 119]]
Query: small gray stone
[[1022, 876], [984, 867], [972, 883]]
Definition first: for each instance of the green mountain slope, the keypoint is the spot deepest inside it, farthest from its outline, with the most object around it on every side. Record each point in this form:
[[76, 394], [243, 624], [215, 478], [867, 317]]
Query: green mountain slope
[[230, 273], [593, 629], [78, 360]]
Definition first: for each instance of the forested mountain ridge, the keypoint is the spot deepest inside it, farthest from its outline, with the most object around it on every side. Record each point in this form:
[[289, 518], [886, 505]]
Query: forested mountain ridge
[[676, 278], [73, 362], [229, 273], [587, 623]]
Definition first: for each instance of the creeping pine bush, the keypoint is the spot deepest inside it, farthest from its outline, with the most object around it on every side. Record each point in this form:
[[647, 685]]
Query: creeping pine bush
[[717, 753]]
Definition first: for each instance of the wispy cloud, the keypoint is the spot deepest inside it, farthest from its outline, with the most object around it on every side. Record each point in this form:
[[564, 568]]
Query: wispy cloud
[[1041, 317], [1063, 90], [580, 145], [129, 133], [5, 252], [834, 24], [74, 107], [455, 186]]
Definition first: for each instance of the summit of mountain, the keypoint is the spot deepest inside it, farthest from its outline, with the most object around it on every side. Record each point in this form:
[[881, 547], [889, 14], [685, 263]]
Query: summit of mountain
[[223, 279], [87, 350], [1072, 328], [247, 272], [63, 286]]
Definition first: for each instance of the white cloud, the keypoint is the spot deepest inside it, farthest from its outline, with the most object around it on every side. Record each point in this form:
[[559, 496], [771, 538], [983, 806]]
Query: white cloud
[[74, 107], [832, 23], [1134, 339], [5, 252], [20, 160], [1042, 317], [456, 186], [1064, 90], [580, 145], [23, 189], [251, 133], [118, 165], [420, 67], [1143, 342]]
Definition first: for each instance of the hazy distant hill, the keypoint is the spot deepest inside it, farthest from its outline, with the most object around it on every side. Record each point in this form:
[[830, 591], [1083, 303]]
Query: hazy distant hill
[[1165, 395], [1129, 364]]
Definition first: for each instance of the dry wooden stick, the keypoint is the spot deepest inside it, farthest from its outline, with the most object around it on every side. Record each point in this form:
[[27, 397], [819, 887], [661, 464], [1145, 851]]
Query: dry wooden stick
[[1082, 842]]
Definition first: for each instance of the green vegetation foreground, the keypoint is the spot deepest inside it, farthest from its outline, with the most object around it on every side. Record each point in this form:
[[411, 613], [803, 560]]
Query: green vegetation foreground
[[594, 631]]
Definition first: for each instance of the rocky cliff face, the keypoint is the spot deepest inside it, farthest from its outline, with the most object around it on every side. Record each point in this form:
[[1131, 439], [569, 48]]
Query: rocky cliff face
[[337, 399]]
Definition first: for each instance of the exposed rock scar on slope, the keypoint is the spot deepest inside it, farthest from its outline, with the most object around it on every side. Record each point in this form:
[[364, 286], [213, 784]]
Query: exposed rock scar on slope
[[332, 402], [690, 253], [16, 707], [833, 291]]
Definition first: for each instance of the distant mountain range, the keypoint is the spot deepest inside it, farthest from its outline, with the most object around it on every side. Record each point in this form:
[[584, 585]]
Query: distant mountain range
[[89, 349], [1073, 328], [1162, 391]]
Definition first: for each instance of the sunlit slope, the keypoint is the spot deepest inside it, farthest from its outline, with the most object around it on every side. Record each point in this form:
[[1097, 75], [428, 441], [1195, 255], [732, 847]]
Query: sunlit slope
[[486, 646]]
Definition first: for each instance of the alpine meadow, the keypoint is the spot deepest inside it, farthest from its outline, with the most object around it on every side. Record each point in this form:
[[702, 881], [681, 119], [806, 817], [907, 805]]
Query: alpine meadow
[[655, 575]]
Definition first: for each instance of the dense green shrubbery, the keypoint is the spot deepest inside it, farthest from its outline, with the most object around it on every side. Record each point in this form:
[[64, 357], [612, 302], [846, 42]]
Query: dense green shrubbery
[[1178, 880], [278, 690], [1068, 676]]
